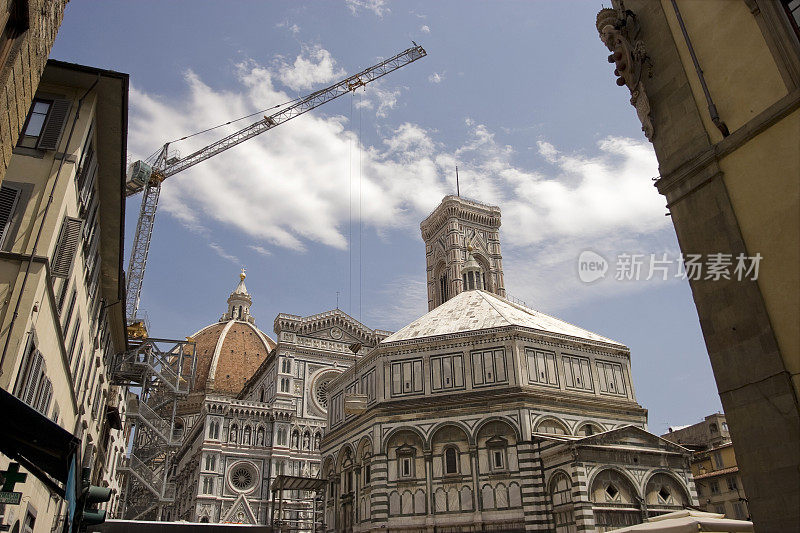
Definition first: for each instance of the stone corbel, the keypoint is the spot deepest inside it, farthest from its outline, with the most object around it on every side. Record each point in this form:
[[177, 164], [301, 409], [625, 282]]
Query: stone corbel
[[619, 29]]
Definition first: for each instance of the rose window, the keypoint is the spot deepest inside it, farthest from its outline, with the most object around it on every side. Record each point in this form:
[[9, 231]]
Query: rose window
[[321, 392], [242, 477]]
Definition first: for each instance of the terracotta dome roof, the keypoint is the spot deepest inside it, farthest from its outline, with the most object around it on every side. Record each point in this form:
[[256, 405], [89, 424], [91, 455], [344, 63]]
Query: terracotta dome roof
[[228, 354], [230, 351]]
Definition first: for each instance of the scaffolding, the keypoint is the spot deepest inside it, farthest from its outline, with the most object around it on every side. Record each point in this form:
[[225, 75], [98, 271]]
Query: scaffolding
[[163, 370], [303, 509]]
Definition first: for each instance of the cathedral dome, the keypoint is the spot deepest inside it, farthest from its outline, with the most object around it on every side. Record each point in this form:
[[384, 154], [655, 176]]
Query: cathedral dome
[[231, 350]]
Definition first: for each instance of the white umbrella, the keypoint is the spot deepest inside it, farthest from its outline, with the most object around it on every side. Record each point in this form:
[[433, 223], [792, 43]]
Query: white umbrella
[[690, 522]]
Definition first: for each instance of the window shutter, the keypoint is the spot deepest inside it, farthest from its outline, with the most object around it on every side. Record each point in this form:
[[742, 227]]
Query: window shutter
[[8, 203], [65, 250], [54, 125], [32, 381]]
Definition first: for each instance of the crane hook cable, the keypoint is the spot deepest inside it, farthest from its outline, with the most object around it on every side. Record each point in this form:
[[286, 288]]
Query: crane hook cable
[[235, 120]]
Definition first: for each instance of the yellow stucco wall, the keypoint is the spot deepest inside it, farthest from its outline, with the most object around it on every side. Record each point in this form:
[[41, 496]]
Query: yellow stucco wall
[[763, 181], [744, 79]]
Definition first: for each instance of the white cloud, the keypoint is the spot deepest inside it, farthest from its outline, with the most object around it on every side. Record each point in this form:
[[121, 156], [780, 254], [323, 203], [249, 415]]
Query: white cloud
[[376, 96], [294, 28], [288, 188], [222, 253], [406, 300], [436, 77], [425, 28], [260, 250], [378, 7], [314, 66]]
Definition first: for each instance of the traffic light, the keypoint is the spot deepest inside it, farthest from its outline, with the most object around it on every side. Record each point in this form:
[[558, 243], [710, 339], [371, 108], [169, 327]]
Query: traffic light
[[87, 513]]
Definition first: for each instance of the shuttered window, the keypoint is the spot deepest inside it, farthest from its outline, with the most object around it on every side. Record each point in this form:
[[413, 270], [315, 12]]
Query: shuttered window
[[61, 265], [541, 367], [447, 372], [489, 367], [34, 387], [73, 341], [54, 125], [611, 377], [407, 377], [70, 309], [577, 373], [8, 203]]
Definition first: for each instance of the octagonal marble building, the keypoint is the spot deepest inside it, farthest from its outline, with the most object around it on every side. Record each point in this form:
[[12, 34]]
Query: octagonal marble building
[[487, 415]]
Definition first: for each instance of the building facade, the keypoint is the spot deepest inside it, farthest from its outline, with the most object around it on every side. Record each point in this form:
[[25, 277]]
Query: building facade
[[61, 278], [716, 85], [484, 414], [716, 474], [29, 29], [258, 409]]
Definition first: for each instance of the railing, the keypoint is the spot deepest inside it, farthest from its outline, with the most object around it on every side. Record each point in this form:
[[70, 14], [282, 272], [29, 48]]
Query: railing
[[164, 372]]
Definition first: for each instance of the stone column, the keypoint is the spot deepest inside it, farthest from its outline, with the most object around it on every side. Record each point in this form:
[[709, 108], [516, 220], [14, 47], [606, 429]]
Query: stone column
[[428, 454], [357, 499], [584, 515], [476, 488]]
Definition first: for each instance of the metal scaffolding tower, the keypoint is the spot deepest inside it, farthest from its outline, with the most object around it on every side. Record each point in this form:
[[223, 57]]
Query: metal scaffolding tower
[[163, 370]]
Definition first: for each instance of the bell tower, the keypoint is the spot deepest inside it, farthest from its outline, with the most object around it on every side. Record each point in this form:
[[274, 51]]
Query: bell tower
[[462, 249]]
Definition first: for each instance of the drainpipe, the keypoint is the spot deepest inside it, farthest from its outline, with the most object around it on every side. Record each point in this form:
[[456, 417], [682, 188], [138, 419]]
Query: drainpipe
[[712, 109]]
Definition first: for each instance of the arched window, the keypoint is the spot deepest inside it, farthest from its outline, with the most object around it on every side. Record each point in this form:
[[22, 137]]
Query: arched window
[[588, 430], [561, 496], [443, 287], [450, 461], [550, 426], [240, 312], [233, 434], [261, 396]]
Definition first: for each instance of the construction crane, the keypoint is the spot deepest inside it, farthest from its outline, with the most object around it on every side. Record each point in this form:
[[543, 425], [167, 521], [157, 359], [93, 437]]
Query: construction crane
[[148, 177]]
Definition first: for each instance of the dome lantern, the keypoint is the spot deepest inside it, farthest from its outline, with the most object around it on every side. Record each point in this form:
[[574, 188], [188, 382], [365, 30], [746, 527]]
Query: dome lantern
[[239, 302]]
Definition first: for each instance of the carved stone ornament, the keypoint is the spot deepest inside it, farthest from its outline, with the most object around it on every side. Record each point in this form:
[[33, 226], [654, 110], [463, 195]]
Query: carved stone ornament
[[619, 30]]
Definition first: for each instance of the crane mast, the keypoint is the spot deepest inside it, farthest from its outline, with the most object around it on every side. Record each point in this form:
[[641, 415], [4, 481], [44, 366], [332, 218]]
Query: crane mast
[[148, 178]]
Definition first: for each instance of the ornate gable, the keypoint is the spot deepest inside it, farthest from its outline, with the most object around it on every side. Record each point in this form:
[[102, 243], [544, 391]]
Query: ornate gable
[[328, 326], [631, 436], [240, 512]]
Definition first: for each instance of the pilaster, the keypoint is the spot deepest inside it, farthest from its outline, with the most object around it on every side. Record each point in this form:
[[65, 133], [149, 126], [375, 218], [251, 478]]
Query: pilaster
[[534, 502]]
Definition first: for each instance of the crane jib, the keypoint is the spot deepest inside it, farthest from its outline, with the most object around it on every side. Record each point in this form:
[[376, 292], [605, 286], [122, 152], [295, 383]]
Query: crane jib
[[142, 176], [306, 104]]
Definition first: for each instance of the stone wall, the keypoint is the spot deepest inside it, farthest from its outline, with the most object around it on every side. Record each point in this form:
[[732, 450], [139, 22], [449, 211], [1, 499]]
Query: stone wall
[[23, 65]]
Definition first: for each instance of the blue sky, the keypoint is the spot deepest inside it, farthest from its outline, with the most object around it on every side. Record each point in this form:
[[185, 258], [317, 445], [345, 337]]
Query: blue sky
[[518, 94]]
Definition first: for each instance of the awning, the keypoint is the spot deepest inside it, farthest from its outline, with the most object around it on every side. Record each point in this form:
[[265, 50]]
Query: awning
[[38, 443], [297, 483], [690, 521]]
